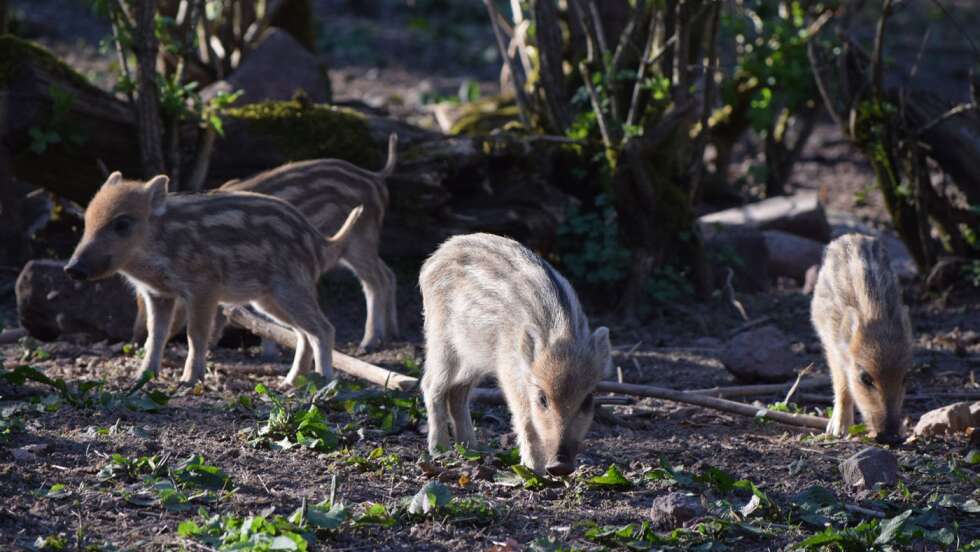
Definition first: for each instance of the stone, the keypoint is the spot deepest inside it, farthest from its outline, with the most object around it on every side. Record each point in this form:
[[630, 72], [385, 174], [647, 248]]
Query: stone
[[947, 272], [947, 420], [23, 455], [870, 467], [51, 305], [790, 255], [800, 214], [674, 510], [741, 248], [760, 355], [265, 74]]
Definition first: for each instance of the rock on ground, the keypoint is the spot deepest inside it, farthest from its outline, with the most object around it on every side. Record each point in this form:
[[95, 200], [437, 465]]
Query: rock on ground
[[743, 249], [264, 76], [51, 306], [791, 255], [760, 354], [800, 214], [948, 420], [674, 510], [870, 467]]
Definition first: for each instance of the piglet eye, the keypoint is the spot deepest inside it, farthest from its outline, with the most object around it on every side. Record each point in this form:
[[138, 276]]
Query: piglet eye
[[587, 403], [122, 226], [542, 399], [866, 379]]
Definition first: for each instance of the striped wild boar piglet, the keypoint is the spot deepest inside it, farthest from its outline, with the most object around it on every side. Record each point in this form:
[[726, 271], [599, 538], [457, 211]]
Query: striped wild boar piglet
[[494, 308], [325, 191], [858, 313], [206, 250]]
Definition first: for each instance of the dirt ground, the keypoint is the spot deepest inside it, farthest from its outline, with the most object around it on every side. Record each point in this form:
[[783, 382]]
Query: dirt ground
[[62, 488]]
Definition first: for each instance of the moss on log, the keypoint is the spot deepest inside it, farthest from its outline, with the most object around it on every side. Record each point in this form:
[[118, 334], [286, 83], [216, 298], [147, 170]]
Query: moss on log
[[16, 54], [298, 131]]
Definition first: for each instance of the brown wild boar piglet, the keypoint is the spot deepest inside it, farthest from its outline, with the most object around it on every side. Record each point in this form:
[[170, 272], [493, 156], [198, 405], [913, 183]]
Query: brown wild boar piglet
[[867, 337], [325, 191], [211, 249], [494, 308]]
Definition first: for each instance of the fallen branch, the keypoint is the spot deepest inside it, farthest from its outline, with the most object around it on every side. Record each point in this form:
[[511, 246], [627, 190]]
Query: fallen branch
[[12, 335], [241, 317], [796, 384], [732, 407], [762, 389], [387, 379]]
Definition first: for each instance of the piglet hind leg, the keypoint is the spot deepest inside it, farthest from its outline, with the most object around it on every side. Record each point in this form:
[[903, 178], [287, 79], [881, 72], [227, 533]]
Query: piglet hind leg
[[299, 310], [440, 365], [459, 414], [302, 359], [200, 319]]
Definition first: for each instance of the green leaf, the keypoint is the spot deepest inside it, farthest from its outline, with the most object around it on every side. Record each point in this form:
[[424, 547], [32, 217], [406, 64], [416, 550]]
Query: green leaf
[[892, 528], [613, 478], [509, 457], [431, 497], [322, 518], [376, 514], [58, 490], [531, 480], [188, 528]]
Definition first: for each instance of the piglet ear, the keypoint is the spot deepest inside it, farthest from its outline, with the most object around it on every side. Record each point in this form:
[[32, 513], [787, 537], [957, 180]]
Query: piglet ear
[[850, 326], [530, 344], [156, 191], [903, 313], [113, 180], [602, 349]]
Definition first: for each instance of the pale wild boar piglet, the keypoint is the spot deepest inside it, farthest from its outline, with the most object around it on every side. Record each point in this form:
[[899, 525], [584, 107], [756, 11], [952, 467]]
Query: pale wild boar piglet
[[206, 250], [867, 337], [494, 308], [325, 191]]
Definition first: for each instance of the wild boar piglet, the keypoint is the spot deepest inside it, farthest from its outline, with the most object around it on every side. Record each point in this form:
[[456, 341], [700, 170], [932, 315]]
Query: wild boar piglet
[[206, 250], [858, 313], [494, 308], [325, 191]]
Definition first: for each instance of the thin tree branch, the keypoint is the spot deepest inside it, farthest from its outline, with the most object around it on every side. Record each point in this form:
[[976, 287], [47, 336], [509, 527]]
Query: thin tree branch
[[877, 69], [596, 105], [822, 87], [523, 103]]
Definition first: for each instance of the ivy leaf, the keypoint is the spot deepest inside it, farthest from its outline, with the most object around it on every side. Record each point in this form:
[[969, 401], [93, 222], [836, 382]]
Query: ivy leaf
[[431, 497], [613, 478]]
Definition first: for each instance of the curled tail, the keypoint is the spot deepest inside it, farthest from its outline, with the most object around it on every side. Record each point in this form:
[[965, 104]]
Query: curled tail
[[392, 156], [342, 236]]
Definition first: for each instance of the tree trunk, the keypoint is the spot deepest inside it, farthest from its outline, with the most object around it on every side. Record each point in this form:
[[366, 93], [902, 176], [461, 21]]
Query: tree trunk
[[552, 78], [148, 99]]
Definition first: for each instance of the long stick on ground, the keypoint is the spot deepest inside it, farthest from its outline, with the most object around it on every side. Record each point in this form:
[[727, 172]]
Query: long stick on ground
[[393, 380], [759, 389]]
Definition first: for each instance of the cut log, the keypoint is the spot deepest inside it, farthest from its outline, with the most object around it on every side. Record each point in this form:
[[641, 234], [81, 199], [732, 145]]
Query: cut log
[[50, 305], [393, 380], [800, 214], [442, 185], [790, 255], [81, 124], [241, 317]]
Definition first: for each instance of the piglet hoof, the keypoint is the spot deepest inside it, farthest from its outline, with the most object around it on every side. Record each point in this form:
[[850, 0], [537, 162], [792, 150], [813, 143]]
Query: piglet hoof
[[368, 347], [145, 375]]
